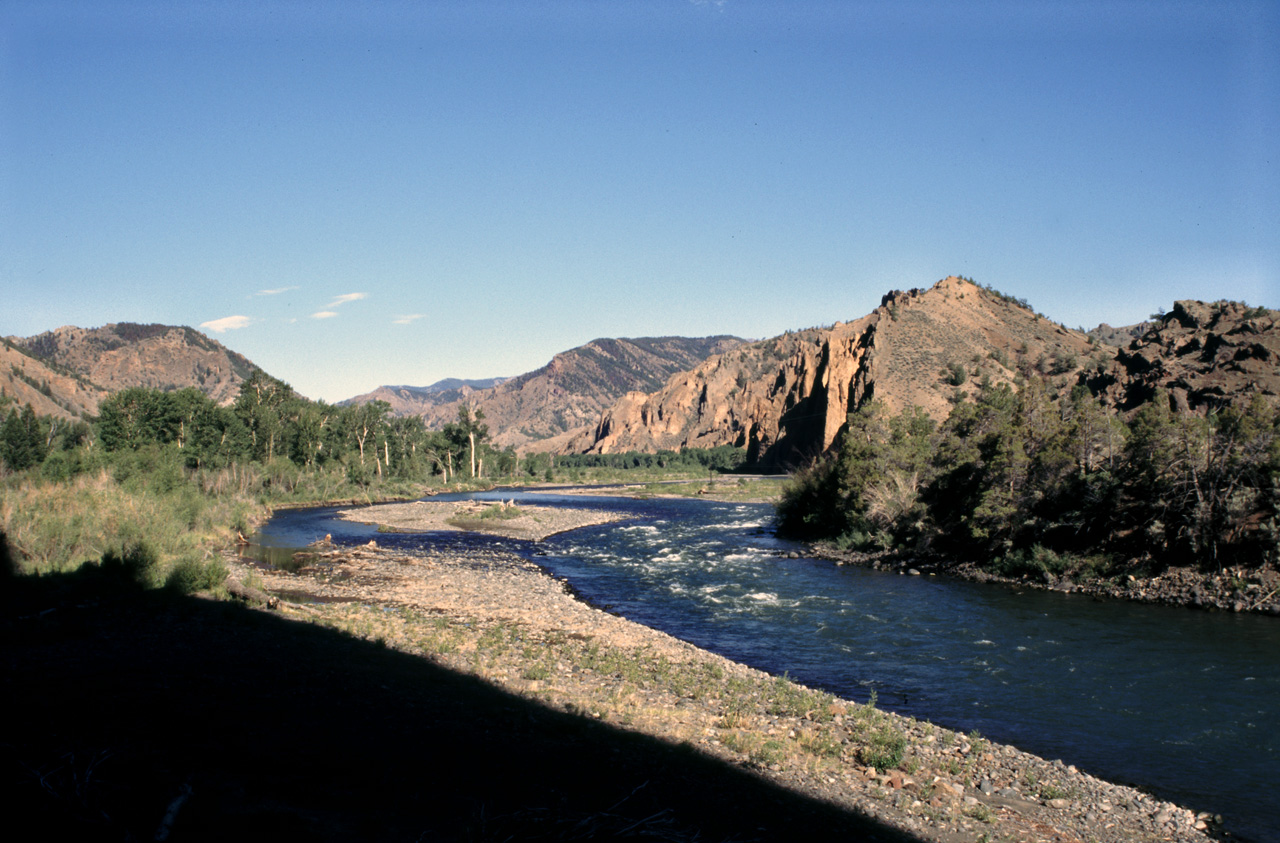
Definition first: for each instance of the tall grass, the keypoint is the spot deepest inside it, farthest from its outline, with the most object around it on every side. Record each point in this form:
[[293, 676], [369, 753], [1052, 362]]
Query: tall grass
[[59, 526], [147, 503]]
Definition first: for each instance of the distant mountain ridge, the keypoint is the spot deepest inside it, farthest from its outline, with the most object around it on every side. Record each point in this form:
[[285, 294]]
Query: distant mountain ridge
[[409, 400], [87, 364], [564, 398], [784, 399]]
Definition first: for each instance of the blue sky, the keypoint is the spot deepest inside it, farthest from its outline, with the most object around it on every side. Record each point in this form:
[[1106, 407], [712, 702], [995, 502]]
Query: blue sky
[[393, 193]]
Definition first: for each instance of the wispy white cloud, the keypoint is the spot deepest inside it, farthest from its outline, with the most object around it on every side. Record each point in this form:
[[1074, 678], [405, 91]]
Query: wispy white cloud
[[324, 314], [346, 298], [277, 291], [408, 318], [226, 323]]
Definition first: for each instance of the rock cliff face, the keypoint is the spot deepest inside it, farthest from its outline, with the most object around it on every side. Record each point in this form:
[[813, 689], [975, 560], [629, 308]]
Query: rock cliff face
[[1202, 355], [786, 399], [545, 408], [123, 355]]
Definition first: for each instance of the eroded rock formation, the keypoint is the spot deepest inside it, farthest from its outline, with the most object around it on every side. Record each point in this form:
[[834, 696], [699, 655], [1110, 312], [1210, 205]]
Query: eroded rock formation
[[786, 399]]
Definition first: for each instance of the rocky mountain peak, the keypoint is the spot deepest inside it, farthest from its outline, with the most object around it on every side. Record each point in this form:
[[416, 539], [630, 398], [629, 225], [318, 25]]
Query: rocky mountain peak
[[786, 399]]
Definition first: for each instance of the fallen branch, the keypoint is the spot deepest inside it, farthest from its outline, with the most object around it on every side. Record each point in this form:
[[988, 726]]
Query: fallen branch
[[251, 595]]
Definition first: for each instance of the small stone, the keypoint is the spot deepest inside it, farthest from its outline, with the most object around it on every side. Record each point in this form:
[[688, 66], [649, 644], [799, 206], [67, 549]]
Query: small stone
[[1058, 803], [1163, 818], [987, 787]]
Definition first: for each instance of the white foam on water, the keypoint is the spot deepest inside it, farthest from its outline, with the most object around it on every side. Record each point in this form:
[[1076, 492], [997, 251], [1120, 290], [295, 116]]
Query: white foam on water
[[746, 524]]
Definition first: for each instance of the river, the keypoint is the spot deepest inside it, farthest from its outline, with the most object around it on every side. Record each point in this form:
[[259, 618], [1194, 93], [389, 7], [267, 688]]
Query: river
[[1181, 703]]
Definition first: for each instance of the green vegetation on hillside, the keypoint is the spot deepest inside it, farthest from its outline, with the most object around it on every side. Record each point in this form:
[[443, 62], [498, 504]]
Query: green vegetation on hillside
[[1025, 483]]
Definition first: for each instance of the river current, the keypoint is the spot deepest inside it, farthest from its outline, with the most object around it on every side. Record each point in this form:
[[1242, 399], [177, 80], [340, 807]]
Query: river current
[[1183, 704]]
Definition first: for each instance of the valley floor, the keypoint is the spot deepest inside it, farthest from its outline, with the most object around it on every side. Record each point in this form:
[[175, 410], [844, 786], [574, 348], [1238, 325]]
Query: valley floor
[[504, 621], [451, 696]]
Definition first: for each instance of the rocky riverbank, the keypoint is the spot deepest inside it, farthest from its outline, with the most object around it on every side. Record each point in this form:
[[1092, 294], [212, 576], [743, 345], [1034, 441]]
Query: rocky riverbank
[[1235, 589], [526, 521], [500, 618]]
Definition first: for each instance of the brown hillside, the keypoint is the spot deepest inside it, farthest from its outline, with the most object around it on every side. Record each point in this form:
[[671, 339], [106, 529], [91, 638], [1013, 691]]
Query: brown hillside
[[417, 400], [124, 355], [786, 399], [50, 391], [1202, 355], [546, 407]]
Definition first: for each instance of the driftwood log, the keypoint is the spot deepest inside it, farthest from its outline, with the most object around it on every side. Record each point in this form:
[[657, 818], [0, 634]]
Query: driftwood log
[[251, 594]]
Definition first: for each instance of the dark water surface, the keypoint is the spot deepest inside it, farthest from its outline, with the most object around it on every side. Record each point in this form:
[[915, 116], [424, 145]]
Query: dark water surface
[[1183, 704]]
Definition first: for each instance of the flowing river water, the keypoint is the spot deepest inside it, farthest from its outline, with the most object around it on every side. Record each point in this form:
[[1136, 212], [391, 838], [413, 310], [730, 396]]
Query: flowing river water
[[1181, 703]]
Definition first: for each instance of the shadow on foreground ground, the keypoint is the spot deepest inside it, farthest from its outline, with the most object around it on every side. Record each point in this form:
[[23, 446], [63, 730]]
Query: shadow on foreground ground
[[120, 699]]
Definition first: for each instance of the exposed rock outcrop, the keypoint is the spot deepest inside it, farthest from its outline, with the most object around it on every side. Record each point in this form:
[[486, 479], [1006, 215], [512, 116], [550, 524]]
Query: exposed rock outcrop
[[786, 399], [1203, 356]]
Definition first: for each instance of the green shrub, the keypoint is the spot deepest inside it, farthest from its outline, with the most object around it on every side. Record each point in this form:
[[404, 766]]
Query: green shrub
[[885, 748], [500, 512], [1040, 560], [135, 561], [190, 575]]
